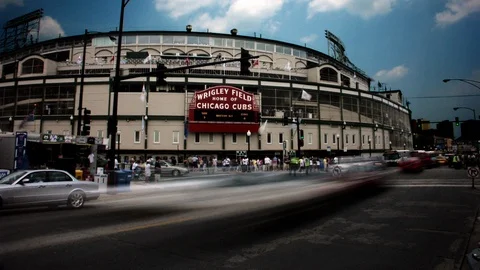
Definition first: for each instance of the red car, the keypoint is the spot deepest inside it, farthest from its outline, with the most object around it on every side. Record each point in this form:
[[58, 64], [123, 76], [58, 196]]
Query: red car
[[411, 164]]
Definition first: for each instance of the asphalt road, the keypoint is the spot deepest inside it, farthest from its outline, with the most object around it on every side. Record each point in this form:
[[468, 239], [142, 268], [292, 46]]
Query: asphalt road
[[417, 221]]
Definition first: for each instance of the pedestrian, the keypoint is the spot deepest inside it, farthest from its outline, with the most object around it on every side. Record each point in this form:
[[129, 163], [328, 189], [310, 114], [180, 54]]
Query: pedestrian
[[148, 172], [158, 169]]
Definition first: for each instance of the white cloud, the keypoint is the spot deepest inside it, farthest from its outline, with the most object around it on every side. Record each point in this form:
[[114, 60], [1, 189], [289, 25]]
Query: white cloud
[[50, 28], [392, 74], [223, 15], [309, 38], [178, 8], [455, 10], [363, 8], [5, 3]]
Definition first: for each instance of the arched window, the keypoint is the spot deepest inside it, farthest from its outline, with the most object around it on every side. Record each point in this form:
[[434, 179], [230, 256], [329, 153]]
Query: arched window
[[328, 74], [32, 66]]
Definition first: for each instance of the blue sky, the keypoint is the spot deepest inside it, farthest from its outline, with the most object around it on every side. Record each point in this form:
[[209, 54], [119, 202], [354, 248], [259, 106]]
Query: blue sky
[[410, 45]]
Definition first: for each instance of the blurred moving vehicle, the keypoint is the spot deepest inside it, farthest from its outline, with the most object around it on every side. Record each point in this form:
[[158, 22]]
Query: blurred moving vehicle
[[391, 158], [411, 164], [441, 160], [349, 165], [169, 169], [45, 188]]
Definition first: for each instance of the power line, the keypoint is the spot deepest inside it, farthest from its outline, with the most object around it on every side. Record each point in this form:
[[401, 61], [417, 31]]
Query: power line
[[453, 96]]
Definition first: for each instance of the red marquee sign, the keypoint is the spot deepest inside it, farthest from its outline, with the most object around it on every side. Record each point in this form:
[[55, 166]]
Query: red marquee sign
[[223, 109]]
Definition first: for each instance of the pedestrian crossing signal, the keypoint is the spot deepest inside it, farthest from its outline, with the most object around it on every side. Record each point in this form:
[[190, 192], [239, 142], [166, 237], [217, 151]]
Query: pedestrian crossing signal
[[457, 122]]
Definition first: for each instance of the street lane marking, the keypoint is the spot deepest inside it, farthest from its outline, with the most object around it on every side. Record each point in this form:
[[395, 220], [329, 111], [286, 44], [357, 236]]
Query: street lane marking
[[153, 225], [426, 185]]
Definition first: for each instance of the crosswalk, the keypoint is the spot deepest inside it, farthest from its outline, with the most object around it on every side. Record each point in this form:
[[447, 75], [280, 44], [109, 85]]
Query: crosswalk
[[427, 182]]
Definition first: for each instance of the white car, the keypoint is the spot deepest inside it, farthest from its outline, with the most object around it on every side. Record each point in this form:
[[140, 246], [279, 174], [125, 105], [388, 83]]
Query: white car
[[45, 187]]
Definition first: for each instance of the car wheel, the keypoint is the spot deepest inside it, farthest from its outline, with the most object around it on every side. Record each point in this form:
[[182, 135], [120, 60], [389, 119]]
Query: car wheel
[[76, 200], [176, 173], [336, 171]]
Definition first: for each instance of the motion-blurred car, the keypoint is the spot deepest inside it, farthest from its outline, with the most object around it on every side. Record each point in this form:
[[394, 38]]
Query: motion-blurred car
[[411, 164], [45, 187], [356, 165], [169, 169], [441, 160], [425, 158]]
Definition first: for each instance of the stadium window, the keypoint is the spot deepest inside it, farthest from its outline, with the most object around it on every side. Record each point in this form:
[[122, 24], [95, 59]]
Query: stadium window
[[197, 137], [269, 138], [210, 137], [234, 138], [325, 138], [156, 136], [33, 66], [328, 74], [136, 136], [176, 137], [280, 138]]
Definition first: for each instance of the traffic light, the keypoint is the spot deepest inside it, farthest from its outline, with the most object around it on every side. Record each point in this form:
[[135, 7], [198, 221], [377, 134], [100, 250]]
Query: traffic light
[[457, 122], [285, 120], [86, 122], [245, 63], [161, 69], [301, 138], [419, 124]]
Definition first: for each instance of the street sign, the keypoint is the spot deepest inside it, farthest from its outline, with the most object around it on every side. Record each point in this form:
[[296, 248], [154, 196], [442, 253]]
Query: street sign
[[473, 172], [241, 153]]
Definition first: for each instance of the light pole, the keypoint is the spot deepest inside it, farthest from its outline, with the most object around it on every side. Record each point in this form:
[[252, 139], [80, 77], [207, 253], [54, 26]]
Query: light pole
[[404, 146], [338, 143], [390, 142], [72, 124], [113, 121], [370, 147], [471, 82], [248, 149], [10, 123], [118, 147], [466, 108]]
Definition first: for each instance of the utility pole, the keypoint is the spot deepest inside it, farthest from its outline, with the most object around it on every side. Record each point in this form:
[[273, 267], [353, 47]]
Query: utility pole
[[298, 136]]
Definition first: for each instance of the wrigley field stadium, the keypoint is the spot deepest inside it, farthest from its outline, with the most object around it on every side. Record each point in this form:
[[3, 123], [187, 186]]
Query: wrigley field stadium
[[210, 110]]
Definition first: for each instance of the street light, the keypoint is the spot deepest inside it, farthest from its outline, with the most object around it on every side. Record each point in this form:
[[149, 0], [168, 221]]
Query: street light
[[338, 142], [248, 149], [404, 146], [118, 148], [370, 147], [471, 82], [82, 78], [390, 142], [113, 121], [466, 108], [72, 124]]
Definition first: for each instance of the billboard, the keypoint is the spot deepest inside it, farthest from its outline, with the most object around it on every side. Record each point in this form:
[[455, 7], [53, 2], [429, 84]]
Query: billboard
[[223, 109]]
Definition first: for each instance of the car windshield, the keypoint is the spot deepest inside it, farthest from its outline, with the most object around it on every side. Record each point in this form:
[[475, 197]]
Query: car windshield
[[166, 163], [11, 178]]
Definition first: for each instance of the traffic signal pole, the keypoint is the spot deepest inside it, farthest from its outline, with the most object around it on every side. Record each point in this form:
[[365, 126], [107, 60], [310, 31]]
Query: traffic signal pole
[[298, 137], [163, 71]]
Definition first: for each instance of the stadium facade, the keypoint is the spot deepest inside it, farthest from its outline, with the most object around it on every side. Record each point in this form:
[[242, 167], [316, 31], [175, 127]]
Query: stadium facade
[[206, 110]]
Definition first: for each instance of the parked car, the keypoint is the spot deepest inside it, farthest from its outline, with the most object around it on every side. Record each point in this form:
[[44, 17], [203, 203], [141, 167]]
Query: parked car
[[45, 187]]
